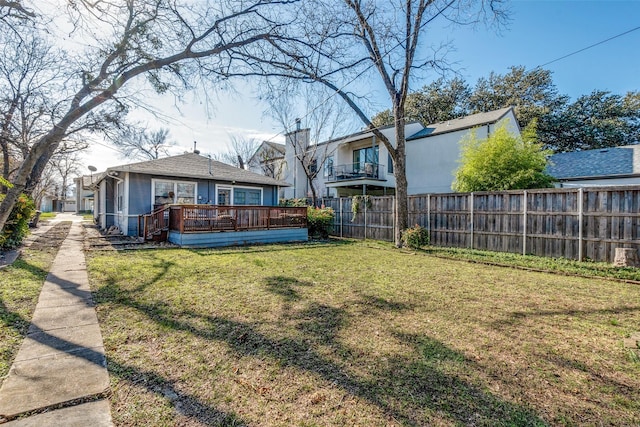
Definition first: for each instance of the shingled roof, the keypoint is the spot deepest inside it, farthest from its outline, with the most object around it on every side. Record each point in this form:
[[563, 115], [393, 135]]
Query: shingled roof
[[280, 148], [466, 122], [191, 165], [602, 162]]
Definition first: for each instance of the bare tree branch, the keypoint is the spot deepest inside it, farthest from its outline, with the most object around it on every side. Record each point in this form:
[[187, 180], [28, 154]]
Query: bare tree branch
[[163, 40]]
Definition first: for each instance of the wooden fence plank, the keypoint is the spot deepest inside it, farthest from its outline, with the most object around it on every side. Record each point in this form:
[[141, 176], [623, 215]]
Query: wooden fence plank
[[607, 217]]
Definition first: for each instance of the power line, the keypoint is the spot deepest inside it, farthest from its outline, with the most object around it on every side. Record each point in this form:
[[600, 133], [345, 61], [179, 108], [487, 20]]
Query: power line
[[589, 47]]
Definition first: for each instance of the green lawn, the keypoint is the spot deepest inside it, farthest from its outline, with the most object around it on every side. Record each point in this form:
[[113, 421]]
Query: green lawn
[[20, 285], [48, 215], [360, 334]]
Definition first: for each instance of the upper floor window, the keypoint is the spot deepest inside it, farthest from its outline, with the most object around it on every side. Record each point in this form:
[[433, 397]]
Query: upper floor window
[[313, 166], [389, 163], [363, 156], [328, 167]]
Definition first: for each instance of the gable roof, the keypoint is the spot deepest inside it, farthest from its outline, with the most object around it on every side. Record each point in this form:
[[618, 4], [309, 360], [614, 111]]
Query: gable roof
[[279, 151], [191, 165], [368, 133], [280, 148], [462, 123], [87, 182], [602, 162]]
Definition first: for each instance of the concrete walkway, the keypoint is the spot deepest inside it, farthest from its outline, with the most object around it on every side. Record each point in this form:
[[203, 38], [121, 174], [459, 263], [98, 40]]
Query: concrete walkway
[[59, 375]]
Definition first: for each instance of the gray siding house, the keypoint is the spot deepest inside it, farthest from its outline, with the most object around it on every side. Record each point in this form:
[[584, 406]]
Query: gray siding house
[[122, 193]]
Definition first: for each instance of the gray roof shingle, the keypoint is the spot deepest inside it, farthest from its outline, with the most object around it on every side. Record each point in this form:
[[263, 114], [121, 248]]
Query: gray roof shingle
[[191, 165], [461, 123], [602, 162]]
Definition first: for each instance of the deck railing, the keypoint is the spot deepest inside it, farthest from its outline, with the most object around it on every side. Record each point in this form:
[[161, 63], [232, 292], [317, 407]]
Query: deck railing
[[154, 223], [209, 218]]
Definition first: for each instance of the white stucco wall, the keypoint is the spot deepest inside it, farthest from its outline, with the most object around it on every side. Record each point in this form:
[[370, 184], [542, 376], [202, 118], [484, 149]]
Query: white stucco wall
[[433, 160]]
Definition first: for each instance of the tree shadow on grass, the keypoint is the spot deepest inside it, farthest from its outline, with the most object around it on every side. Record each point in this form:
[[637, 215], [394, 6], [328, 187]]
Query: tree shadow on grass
[[376, 304], [426, 380], [516, 317], [407, 388], [184, 404], [270, 248], [285, 287]]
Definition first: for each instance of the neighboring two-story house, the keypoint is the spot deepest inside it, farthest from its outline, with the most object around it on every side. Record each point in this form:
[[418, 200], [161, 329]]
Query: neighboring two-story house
[[360, 164]]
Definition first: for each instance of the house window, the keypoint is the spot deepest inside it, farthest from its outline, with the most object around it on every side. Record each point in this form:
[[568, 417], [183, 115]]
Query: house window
[[173, 192], [247, 196], [364, 155], [389, 163], [313, 166], [185, 193], [328, 167], [120, 196]]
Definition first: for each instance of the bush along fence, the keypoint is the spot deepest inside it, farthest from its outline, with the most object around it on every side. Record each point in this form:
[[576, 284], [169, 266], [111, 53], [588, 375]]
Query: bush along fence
[[574, 223]]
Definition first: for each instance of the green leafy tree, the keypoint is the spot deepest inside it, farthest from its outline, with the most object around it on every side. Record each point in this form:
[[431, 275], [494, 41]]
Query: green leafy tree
[[503, 161], [531, 92], [436, 102], [597, 120]]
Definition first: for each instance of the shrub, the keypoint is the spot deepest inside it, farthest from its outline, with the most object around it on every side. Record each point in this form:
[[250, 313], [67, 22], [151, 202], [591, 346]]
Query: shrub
[[297, 203], [17, 225], [319, 221], [415, 237]]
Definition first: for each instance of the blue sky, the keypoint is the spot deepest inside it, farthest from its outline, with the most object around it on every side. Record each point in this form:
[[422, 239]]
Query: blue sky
[[540, 31]]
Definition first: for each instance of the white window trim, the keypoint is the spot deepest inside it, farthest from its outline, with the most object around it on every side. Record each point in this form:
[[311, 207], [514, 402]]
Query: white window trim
[[219, 187], [120, 207], [175, 188], [244, 187]]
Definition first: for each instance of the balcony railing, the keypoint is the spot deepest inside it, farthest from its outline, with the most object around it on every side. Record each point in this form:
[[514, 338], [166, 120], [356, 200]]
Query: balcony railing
[[357, 171]]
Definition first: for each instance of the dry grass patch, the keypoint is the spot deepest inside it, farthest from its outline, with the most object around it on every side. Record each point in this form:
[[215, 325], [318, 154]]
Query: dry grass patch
[[345, 334]]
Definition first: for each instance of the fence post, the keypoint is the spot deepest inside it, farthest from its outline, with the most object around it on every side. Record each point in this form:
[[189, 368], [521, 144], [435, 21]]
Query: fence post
[[524, 223], [393, 218], [429, 216], [365, 218], [341, 219], [471, 209], [580, 218]]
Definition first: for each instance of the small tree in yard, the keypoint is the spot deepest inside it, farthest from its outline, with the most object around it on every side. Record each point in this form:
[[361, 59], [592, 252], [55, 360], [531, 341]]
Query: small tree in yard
[[502, 161]]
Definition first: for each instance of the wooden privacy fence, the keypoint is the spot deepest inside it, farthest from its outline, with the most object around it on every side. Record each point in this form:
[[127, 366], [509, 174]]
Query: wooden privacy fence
[[574, 223]]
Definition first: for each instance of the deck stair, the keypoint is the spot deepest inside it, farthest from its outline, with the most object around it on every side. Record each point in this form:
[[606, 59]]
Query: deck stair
[[154, 225]]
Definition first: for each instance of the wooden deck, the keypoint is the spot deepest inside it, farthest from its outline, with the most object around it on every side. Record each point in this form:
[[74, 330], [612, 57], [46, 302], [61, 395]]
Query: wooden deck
[[238, 224]]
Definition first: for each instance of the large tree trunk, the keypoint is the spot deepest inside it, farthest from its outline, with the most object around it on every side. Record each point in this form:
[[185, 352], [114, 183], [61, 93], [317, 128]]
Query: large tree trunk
[[48, 143], [39, 167], [401, 212], [314, 196]]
